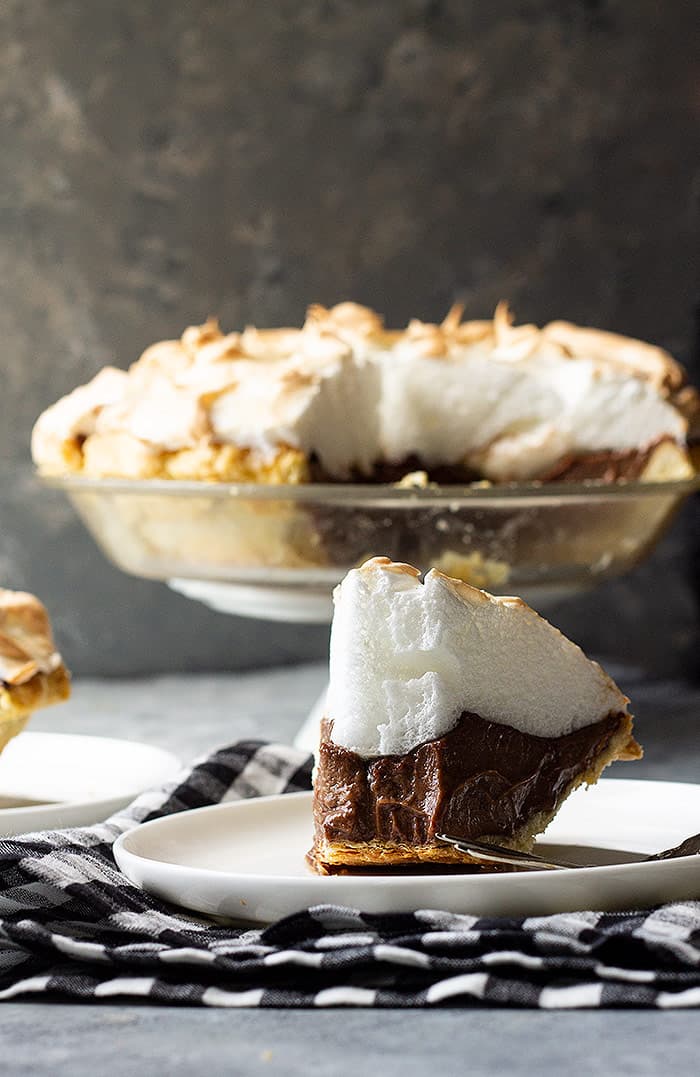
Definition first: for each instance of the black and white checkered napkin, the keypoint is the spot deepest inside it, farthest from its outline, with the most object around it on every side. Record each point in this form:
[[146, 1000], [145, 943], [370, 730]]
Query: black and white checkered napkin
[[72, 927]]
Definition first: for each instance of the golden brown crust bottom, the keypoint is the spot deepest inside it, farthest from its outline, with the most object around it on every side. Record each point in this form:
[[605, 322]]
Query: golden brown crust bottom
[[668, 462], [121, 456], [331, 858], [20, 700]]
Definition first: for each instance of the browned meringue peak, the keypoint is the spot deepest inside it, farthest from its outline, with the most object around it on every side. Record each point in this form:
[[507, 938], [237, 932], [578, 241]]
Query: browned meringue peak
[[430, 340], [512, 343], [270, 343], [26, 640], [196, 336], [424, 339], [348, 320], [207, 345], [504, 340], [295, 356], [465, 332], [315, 342], [167, 359], [508, 342], [223, 349], [374, 564], [320, 346], [159, 362], [647, 361]]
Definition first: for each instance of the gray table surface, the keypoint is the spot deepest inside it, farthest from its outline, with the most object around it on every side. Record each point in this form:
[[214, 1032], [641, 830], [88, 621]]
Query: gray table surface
[[190, 714]]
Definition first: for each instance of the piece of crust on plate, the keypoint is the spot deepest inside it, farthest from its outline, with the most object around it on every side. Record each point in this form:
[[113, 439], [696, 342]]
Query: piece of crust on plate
[[32, 673]]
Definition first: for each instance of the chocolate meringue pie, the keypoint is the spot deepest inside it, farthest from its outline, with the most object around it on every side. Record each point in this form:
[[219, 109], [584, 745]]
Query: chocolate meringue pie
[[344, 399], [452, 711], [32, 673]]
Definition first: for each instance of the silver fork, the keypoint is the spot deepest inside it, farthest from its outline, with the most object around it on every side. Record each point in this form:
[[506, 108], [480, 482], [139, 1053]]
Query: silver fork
[[490, 853]]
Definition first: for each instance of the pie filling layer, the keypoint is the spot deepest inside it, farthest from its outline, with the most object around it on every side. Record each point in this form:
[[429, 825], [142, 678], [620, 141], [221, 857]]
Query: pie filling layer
[[482, 779], [608, 466], [101, 457]]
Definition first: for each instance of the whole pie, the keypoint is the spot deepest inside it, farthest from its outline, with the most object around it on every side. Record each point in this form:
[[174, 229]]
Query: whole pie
[[344, 399], [451, 711], [32, 673]]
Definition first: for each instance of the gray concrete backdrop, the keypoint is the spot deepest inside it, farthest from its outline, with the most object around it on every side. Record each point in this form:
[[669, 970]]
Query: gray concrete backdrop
[[161, 161]]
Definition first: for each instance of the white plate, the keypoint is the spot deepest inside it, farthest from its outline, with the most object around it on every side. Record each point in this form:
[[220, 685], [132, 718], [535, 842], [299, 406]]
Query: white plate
[[245, 860], [71, 780]]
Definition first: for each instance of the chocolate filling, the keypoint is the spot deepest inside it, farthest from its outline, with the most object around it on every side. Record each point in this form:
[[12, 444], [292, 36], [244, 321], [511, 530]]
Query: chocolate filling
[[608, 465], [482, 778], [387, 471]]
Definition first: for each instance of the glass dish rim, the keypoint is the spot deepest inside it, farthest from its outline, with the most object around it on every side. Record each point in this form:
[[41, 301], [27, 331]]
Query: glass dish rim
[[368, 494]]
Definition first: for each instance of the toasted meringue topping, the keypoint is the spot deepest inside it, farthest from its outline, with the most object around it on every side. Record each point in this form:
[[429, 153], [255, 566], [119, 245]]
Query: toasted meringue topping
[[506, 400], [73, 417], [421, 338], [221, 350], [170, 417], [270, 343], [408, 658], [643, 360], [385, 564], [453, 319], [158, 363], [197, 336], [347, 320], [26, 640]]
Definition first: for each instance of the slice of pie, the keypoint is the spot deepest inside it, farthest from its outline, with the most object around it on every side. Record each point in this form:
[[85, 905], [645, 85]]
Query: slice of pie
[[452, 711], [32, 673]]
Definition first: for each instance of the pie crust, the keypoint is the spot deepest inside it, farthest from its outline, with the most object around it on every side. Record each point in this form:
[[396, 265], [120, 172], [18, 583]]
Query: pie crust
[[32, 673]]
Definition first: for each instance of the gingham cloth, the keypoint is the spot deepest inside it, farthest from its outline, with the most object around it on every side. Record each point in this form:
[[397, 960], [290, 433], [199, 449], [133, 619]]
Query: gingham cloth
[[73, 927]]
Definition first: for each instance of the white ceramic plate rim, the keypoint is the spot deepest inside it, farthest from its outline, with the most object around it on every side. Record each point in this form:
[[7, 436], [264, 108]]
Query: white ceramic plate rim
[[83, 810], [218, 892], [359, 881]]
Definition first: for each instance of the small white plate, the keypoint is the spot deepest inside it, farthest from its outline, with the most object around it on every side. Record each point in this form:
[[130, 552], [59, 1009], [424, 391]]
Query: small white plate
[[245, 860], [62, 779]]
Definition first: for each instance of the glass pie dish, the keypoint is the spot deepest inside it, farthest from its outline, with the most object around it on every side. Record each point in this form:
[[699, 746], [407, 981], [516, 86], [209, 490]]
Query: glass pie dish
[[276, 552]]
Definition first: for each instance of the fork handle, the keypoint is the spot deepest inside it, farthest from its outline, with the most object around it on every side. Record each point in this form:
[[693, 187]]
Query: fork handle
[[515, 861], [497, 854]]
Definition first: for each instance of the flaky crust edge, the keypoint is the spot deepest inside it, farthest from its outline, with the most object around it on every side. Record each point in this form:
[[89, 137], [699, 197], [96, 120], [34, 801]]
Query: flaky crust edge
[[42, 690]]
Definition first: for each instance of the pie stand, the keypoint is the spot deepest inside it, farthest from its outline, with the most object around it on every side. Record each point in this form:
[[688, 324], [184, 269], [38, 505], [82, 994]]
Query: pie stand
[[277, 552]]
